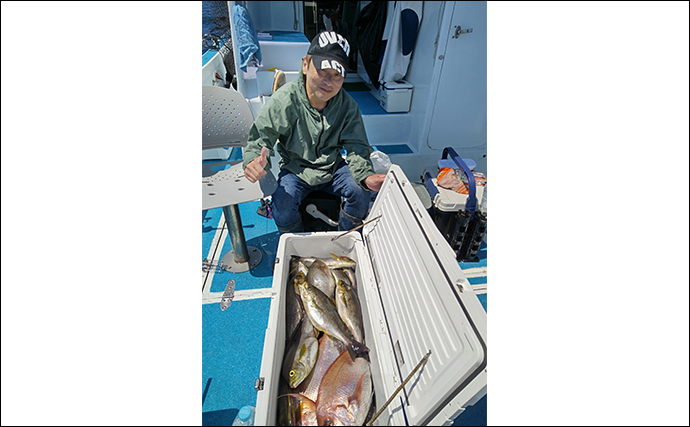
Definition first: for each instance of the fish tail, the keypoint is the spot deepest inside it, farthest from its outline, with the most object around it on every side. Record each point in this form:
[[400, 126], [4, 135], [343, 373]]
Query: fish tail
[[356, 348]]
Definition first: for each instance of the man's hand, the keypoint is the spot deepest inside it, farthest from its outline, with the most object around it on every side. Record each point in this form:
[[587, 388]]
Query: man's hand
[[375, 181], [255, 168]]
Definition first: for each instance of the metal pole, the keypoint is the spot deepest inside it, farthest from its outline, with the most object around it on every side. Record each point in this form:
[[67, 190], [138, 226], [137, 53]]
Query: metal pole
[[234, 222]]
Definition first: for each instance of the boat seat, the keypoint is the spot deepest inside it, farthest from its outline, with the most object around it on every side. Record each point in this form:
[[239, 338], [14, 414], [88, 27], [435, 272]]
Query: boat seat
[[226, 122]]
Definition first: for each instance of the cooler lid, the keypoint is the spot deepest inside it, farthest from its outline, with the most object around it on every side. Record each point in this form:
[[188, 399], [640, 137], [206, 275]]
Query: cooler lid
[[427, 301]]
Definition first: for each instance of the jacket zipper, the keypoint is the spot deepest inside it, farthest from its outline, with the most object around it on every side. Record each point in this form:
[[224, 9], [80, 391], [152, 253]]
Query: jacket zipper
[[318, 143]]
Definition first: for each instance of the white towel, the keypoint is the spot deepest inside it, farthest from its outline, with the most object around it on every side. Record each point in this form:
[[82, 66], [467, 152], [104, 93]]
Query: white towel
[[399, 38]]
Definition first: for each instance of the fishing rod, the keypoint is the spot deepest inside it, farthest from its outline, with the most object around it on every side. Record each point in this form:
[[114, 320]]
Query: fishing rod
[[356, 228], [390, 399]]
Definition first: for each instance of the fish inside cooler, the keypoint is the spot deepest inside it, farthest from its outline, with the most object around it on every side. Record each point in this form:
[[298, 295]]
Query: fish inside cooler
[[319, 397]]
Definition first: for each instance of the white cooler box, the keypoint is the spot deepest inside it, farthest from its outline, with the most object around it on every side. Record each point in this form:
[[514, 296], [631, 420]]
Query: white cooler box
[[396, 97], [414, 298]]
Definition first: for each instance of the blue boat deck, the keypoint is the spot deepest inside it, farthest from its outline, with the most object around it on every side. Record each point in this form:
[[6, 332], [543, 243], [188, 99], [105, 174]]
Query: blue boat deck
[[233, 339]]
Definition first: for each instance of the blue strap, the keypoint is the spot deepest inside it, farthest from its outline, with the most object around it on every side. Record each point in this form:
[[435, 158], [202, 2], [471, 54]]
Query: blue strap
[[430, 187], [471, 204]]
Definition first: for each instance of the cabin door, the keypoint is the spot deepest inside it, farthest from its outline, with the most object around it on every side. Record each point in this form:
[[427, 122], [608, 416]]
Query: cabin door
[[459, 115]]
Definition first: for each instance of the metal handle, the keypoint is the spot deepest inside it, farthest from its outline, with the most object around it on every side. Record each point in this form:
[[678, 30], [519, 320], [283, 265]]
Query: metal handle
[[313, 211]]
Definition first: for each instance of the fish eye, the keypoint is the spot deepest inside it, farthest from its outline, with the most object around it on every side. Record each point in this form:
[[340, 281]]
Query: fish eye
[[292, 373]]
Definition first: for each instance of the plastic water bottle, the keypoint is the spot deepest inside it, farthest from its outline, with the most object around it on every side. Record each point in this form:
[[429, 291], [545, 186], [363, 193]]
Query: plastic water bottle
[[245, 417]]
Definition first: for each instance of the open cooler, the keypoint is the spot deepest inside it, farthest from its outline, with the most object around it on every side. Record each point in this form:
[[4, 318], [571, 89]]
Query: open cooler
[[461, 218], [414, 299]]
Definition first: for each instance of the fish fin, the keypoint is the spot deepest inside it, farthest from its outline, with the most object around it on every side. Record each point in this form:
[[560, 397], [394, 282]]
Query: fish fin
[[353, 404], [358, 390], [352, 351], [356, 348], [360, 409]]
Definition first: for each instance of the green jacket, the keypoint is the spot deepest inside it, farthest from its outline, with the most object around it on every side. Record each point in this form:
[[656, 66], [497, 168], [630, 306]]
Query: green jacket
[[308, 140]]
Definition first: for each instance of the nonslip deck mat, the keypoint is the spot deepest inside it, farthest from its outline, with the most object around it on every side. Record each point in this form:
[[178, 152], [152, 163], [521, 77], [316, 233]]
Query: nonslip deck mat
[[232, 343], [260, 233]]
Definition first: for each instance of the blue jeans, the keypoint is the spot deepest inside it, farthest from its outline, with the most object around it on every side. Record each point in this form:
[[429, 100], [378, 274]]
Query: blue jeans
[[292, 190]]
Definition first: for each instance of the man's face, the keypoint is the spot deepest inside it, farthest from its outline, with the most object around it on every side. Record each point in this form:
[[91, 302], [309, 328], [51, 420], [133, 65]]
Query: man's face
[[322, 85]]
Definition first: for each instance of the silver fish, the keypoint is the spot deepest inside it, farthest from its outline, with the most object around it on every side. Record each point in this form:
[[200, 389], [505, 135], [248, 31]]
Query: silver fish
[[349, 309], [350, 272], [320, 276], [294, 313], [345, 393], [324, 316], [340, 274], [334, 261], [295, 266], [293, 310], [301, 355]]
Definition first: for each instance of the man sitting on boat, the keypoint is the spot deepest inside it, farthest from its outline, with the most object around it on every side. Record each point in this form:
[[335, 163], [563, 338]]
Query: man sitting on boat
[[310, 120]]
